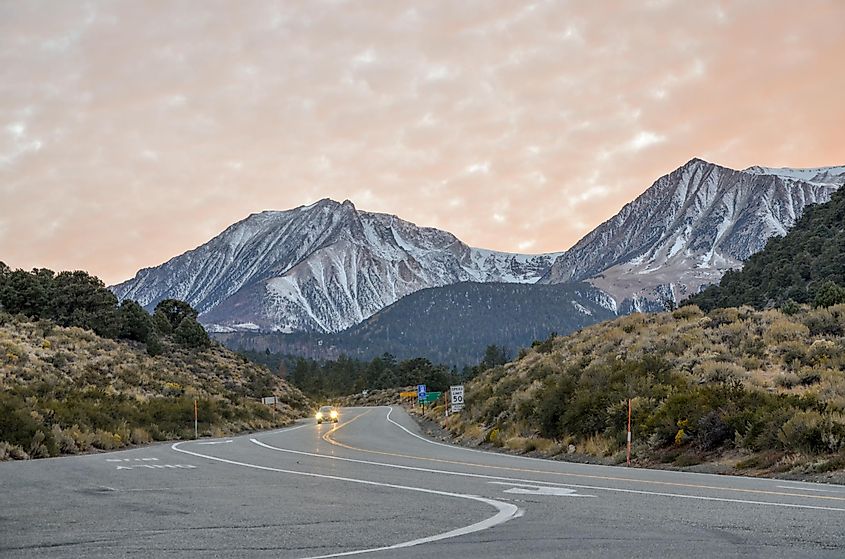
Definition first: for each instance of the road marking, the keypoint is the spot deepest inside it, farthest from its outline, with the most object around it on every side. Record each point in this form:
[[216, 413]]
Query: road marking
[[327, 438], [505, 511], [568, 474], [810, 489], [550, 483], [544, 490], [286, 429], [158, 466], [217, 442], [131, 459]]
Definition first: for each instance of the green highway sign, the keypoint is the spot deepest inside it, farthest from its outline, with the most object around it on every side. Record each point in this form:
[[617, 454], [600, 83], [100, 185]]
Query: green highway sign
[[431, 397]]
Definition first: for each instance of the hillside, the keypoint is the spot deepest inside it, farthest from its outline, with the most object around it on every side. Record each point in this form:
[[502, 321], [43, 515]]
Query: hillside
[[452, 324], [752, 390], [797, 266], [67, 390]]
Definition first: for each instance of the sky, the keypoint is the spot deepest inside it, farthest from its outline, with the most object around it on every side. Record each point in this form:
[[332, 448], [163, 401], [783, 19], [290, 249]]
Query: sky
[[132, 131]]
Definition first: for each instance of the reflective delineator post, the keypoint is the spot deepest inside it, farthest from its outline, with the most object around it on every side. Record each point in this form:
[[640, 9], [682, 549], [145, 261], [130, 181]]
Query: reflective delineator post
[[196, 421], [629, 432]]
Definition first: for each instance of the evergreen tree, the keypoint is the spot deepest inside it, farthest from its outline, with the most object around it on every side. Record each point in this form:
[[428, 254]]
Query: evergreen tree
[[176, 311], [154, 345], [135, 322], [161, 324], [829, 294], [190, 333], [80, 299]]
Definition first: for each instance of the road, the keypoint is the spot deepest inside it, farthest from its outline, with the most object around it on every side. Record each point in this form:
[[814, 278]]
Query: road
[[373, 486]]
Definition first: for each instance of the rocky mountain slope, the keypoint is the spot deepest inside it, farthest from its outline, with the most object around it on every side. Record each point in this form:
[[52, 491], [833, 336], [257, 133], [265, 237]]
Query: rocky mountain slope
[[319, 268], [326, 267], [807, 265], [689, 228], [450, 324]]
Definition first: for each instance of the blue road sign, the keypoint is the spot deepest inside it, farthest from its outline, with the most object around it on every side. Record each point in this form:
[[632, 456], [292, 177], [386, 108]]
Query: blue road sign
[[420, 392]]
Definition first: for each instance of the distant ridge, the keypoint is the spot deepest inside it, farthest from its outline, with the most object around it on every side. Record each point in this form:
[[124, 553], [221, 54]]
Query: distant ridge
[[326, 267]]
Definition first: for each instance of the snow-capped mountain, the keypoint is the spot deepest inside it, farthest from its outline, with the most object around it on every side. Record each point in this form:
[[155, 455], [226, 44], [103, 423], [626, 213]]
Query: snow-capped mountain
[[327, 266], [690, 227], [319, 268]]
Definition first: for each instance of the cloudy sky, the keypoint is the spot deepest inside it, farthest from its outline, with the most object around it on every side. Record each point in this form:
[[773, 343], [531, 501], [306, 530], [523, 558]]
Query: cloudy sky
[[133, 131]]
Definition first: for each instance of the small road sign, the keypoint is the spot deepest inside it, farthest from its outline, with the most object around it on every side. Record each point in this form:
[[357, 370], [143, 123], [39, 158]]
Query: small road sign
[[421, 392], [457, 397], [269, 400]]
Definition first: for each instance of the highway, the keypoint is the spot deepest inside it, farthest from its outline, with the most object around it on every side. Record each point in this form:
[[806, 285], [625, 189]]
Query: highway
[[373, 486]]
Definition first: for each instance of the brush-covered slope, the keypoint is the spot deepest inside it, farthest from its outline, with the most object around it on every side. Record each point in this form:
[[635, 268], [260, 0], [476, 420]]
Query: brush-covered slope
[[67, 390], [452, 324], [759, 388], [800, 266]]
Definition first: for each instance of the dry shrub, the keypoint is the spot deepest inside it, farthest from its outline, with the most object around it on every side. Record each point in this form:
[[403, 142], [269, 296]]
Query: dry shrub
[[720, 372], [689, 312], [140, 435], [105, 440], [11, 452], [783, 330], [84, 440], [787, 380], [598, 445], [521, 444], [65, 441]]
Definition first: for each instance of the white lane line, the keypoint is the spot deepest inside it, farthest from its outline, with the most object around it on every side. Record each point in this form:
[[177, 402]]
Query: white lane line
[[547, 483], [287, 429], [505, 511], [799, 488], [216, 442]]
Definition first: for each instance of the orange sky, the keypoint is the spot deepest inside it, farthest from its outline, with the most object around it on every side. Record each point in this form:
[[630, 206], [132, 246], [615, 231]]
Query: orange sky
[[132, 131]]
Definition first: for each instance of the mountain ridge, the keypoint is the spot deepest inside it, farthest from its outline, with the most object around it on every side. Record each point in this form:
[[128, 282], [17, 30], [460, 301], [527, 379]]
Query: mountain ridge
[[328, 266], [687, 229], [322, 267]]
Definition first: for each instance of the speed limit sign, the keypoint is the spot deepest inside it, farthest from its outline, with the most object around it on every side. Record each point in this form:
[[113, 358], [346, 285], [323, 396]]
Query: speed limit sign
[[457, 393]]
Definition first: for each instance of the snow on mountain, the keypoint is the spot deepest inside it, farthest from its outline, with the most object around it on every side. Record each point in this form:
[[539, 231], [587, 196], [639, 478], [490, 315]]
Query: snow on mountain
[[320, 268], [816, 175], [690, 227], [327, 266]]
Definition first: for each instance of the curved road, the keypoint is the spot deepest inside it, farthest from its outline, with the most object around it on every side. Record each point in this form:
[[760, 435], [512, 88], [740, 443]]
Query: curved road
[[372, 486]]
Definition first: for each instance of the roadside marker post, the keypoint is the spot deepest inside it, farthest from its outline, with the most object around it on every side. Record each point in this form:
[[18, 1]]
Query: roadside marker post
[[196, 420], [629, 433]]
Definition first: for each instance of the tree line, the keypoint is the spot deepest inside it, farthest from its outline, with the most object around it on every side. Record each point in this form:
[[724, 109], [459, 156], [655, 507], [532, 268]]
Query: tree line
[[79, 299], [343, 376]]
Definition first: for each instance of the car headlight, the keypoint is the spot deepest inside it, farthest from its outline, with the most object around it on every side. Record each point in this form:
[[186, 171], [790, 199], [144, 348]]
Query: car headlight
[[319, 415], [333, 414]]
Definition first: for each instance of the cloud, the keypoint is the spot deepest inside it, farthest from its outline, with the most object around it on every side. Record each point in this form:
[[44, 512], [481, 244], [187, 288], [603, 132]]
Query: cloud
[[134, 130], [644, 139]]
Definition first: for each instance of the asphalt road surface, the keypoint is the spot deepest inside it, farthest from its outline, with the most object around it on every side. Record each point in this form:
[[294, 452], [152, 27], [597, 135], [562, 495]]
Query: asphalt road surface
[[373, 486]]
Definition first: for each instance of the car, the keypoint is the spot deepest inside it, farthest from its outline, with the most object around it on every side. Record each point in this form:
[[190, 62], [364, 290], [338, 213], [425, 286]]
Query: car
[[327, 413]]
